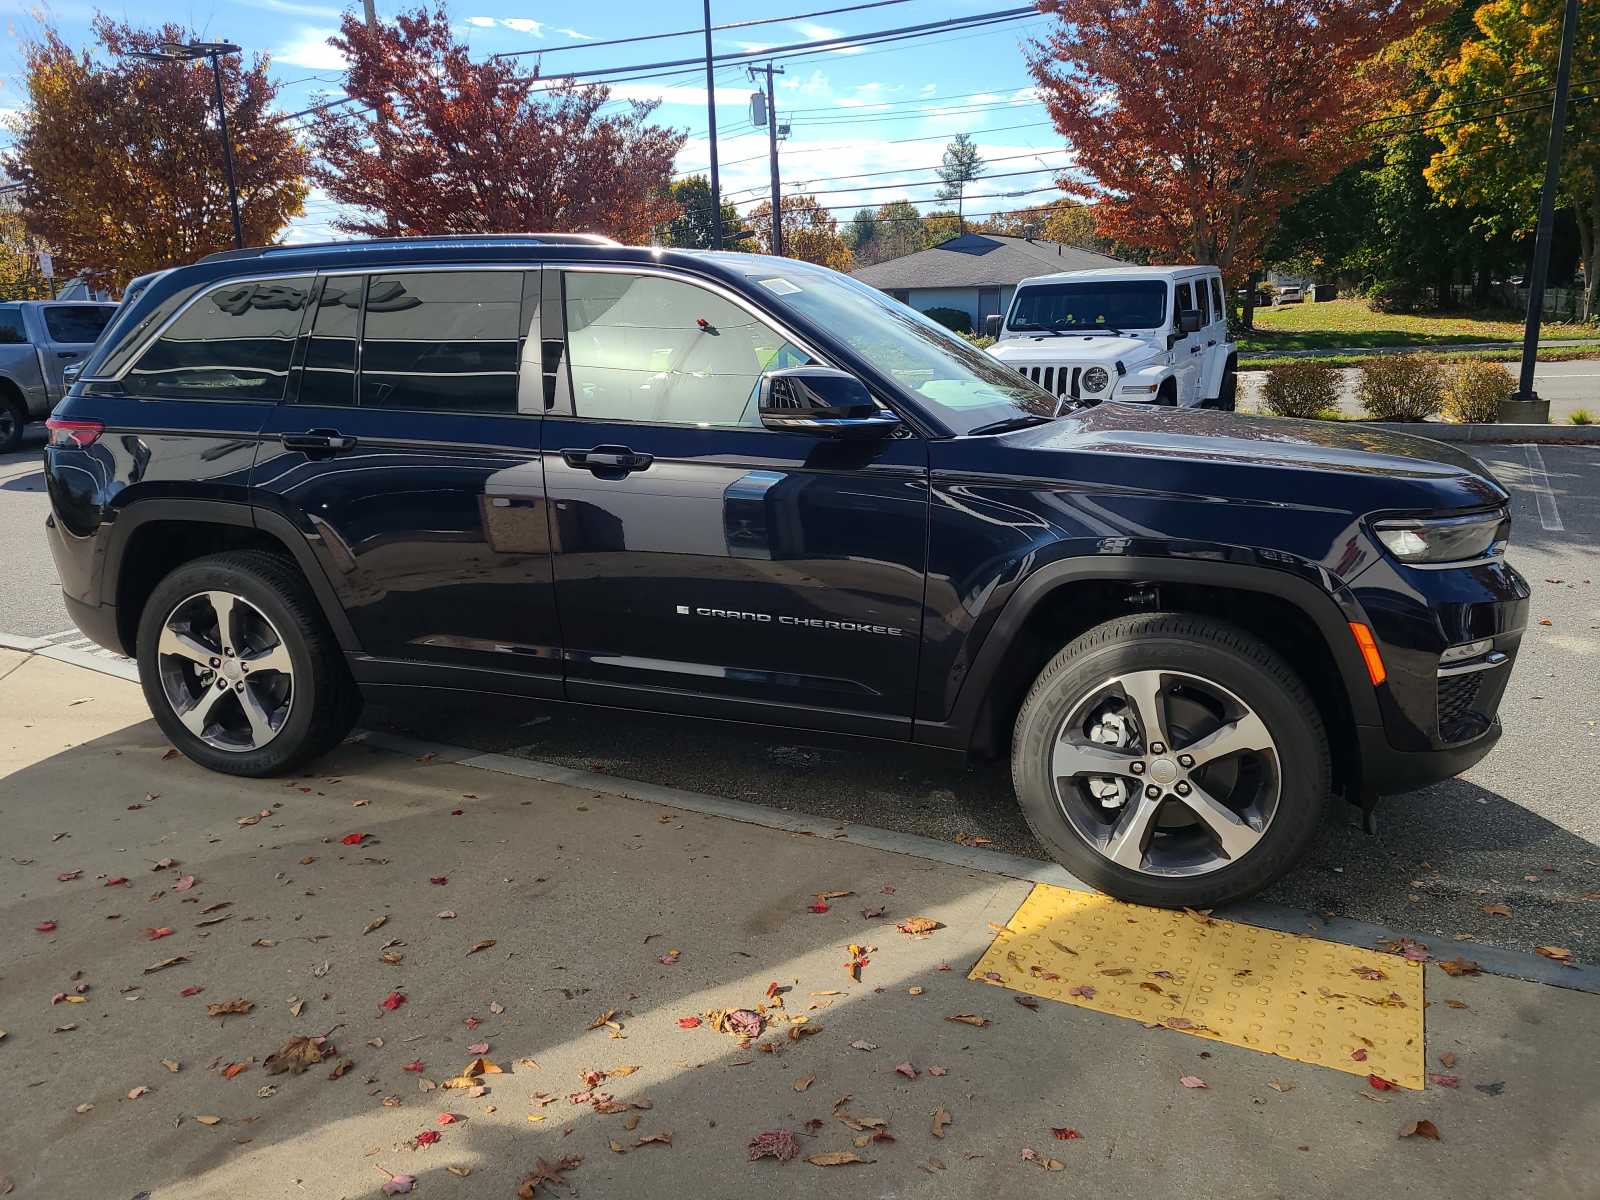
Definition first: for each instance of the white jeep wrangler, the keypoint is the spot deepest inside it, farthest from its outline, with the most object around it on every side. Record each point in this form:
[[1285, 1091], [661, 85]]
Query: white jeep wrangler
[[1148, 334]]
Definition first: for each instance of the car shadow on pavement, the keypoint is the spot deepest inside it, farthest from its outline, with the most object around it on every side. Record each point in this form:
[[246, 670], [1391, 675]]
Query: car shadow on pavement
[[583, 894]]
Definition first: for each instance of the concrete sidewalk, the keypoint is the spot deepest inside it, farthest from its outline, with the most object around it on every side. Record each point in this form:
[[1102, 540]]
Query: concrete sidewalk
[[582, 893]]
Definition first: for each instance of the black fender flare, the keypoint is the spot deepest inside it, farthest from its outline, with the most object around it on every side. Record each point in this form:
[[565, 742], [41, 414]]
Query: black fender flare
[[225, 512], [1330, 611]]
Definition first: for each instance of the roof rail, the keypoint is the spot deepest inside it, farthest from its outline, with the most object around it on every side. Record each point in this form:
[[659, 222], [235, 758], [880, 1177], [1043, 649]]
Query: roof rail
[[453, 239]]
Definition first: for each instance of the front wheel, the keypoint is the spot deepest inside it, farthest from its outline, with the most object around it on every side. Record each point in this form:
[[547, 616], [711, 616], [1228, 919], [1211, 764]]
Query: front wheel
[[239, 667], [1171, 759], [13, 419]]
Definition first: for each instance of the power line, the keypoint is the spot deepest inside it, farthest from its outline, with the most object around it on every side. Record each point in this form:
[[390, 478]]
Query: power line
[[919, 170], [700, 29], [960, 110], [935, 200], [1502, 97], [866, 104], [934, 137], [883, 187]]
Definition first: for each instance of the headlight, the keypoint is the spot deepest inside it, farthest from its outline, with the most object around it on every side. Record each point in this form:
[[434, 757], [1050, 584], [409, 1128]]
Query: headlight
[[1095, 379], [1445, 540]]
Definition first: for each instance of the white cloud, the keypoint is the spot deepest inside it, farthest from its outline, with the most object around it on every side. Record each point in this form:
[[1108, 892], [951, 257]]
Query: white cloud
[[325, 11], [524, 25], [677, 94], [310, 49], [482, 22], [817, 33], [928, 89], [573, 33], [755, 47], [814, 84]]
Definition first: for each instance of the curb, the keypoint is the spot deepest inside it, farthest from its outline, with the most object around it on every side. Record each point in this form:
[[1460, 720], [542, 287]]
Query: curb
[[1447, 348], [1446, 431]]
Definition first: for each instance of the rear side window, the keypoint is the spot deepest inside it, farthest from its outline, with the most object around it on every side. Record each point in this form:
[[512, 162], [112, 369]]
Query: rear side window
[[1216, 297], [1202, 301], [442, 340], [80, 323], [233, 343], [11, 330], [330, 367]]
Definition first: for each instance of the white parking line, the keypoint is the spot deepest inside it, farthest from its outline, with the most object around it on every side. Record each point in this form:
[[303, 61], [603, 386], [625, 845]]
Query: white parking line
[[1549, 514]]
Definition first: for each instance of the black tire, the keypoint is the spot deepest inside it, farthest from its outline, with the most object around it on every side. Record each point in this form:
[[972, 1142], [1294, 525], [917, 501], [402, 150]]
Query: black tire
[[13, 419], [326, 699], [1202, 647], [1228, 394]]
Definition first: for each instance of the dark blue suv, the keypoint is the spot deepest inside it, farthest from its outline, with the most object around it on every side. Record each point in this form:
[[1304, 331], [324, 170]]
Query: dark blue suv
[[746, 488]]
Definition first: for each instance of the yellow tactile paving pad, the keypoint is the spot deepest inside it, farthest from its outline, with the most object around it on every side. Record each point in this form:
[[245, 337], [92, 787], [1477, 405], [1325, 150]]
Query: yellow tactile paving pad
[[1280, 993]]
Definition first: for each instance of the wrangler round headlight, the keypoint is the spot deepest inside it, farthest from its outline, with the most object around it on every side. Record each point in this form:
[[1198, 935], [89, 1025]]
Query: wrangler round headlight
[[1095, 379], [1438, 541]]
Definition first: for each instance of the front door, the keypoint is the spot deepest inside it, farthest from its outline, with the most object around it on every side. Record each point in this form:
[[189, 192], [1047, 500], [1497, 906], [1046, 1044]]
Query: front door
[[704, 563], [1188, 350], [408, 455]]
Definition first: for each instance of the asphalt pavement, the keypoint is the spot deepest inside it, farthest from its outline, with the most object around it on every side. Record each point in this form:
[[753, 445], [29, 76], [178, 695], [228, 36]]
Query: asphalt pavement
[[1520, 831]]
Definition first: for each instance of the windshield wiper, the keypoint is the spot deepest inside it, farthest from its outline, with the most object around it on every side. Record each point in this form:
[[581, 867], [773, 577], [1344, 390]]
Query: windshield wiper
[[1011, 423]]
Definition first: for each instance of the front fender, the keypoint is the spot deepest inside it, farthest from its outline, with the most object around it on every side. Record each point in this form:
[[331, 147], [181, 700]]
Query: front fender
[[1142, 383]]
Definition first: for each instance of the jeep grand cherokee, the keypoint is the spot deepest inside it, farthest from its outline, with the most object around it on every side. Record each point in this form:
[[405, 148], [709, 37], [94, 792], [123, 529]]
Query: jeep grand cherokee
[[748, 488]]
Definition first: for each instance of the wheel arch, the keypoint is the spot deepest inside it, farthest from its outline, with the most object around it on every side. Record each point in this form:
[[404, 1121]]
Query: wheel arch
[[153, 537], [1299, 619]]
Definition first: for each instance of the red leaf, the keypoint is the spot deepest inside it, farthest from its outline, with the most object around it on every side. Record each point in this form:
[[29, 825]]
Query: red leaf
[[415, 1066], [45, 927], [819, 907], [116, 881], [1066, 1135], [191, 990], [1359, 1054], [440, 880], [688, 1022], [448, 1118], [393, 1000], [154, 934], [426, 1138], [1449, 1081], [907, 1070], [69, 876], [184, 883], [352, 839], [1379, 1084]]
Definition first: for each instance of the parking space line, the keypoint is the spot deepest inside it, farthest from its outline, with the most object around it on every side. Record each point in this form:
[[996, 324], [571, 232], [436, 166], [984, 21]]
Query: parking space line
[[1549, 514]]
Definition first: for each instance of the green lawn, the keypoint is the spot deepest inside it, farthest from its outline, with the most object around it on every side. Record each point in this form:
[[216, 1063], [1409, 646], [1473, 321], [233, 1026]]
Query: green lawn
[[1350, 324]]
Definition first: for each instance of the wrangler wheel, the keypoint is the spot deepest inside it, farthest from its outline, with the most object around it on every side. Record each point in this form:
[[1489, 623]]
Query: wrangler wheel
[[1172, 760]]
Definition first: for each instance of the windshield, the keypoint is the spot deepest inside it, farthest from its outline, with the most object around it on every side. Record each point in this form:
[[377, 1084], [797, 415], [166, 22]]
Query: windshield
[[964, 386], [1092, 304]]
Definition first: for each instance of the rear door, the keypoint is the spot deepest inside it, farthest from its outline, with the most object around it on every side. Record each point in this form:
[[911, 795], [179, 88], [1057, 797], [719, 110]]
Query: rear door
[[1188, 350], [408, 455], [70, 332], [704, 563]]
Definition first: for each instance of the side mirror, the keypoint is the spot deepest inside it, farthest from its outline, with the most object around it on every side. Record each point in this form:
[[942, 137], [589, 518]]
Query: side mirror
[[992, 324], [1189, 320], [824, 401]]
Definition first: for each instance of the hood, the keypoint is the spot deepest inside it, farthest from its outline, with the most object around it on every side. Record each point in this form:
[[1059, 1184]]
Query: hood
[[1102, 348], [1426, 473]]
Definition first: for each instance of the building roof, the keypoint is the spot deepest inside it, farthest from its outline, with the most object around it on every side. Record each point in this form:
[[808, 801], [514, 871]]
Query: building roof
[[979, 260]]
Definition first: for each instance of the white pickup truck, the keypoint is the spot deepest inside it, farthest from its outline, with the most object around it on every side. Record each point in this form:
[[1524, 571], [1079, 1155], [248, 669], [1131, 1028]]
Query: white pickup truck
[[39, 340], [1147, 334]]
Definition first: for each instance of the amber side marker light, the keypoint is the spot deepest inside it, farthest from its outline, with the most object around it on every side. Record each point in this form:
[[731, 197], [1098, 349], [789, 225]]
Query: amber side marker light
[[1369, 653]]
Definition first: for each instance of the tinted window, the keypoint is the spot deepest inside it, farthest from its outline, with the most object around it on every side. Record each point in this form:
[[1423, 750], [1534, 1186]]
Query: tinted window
[[1216, 298], [644, 348], [1202, 301], [329, 376], [11, 331], [442, 340], [1182, 299], [1097, 304], [233, 343], [77, 322]]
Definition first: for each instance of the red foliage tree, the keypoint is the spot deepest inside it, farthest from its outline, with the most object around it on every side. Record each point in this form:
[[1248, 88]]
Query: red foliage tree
[[437, 143], [1197, 121]]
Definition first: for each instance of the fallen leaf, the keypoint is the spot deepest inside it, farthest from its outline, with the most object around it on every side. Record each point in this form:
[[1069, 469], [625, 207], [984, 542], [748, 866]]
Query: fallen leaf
[[655, 1139], [172, 1065], [375, 923], [1447, 1059], [184, 883], [773, 1143], [235, 1069], [137, 1092], [45, 927], [918, 925], [1449, 1081], [1066, 1135], [1203, 915], [906, 1069], [1193, 1081], [341, 1067], [1359, 1054], [1086, 990], [156, 934], [1030, 1002], [683, 1023], [1280, 1087], [294, 1056], [941, 1118], [84, 1108], [1496, 910], [69, 876], [353, 839], [1371, 973], [439, 880], [804, 1082], [670, 957], [817, 906], [393, 1001], [836, 1158], [238, 1006], [1559, 953], [547, 1174], [937, 1071], [426, 1138], [833, 895], [209, 1120], [1029, 1154], [415, 1066], [446, 915], [969, 1019], [862, 1044], [872, 914], [1422, 1129], [1379, 1084], [1459, 966], [603, 1019]]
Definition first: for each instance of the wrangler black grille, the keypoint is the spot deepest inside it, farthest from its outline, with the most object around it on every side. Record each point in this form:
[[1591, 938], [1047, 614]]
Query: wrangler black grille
[[1459, 715], [1058, 381]]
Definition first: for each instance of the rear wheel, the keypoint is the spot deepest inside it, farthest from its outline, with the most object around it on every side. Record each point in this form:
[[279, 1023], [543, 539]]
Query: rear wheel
[[1228, 391], [13, 417], [1172, 760], [239, 666]]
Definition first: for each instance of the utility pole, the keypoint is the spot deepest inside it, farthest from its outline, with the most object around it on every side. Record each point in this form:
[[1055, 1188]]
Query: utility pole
[[711, 121], [1547, 205], [772, 154]]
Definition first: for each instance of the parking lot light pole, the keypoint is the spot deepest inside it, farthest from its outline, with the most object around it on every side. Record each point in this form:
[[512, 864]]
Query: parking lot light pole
[[190, 52], [1525, 393]]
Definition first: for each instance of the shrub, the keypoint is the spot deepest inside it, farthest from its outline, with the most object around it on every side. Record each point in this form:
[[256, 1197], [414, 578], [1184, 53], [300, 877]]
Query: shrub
[[1301, 387], [1394, 296], [1581, 416], [1401, 387], [981, 340], [950, 318], [1473, 391]]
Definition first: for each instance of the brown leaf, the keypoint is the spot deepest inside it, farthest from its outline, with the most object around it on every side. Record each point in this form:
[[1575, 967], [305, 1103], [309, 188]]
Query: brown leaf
[[209, 1120], [1496, 910], [1029, 1154], [1118, 971], [1027, 1002], [1422, 1129], [1371, 973], [1459, 966], [1280, 1087], [941, 1118], [341, 1067], [165, 963], [294, 1056], [833, 895], [804, 1082], [969, 1019], [918, 925], [375, 923], [836, 1158], [480, 945], [655, 1139], [1447, 1059], [1559, 953], [172, 1065], [237, 1006], [603, 1018]]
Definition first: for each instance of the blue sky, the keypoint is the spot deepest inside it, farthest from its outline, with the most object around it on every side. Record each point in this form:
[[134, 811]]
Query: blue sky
[[882, 109]]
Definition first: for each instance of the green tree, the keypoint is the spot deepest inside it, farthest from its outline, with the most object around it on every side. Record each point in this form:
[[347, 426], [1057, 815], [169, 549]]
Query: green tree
[[960, 167], [691, 228], [1495, 157], [20, 278]]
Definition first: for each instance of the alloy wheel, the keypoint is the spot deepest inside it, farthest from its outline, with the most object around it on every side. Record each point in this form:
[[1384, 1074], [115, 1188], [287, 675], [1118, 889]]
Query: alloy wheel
[[1166, 773], [226, 671]]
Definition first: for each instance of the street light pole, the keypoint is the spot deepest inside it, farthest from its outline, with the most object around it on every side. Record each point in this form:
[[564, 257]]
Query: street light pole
[[1547, 205], [191, 52], [227, 150], [772, 155]]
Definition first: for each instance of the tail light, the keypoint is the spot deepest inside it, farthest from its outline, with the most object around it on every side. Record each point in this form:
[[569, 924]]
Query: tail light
[[73, 433]]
